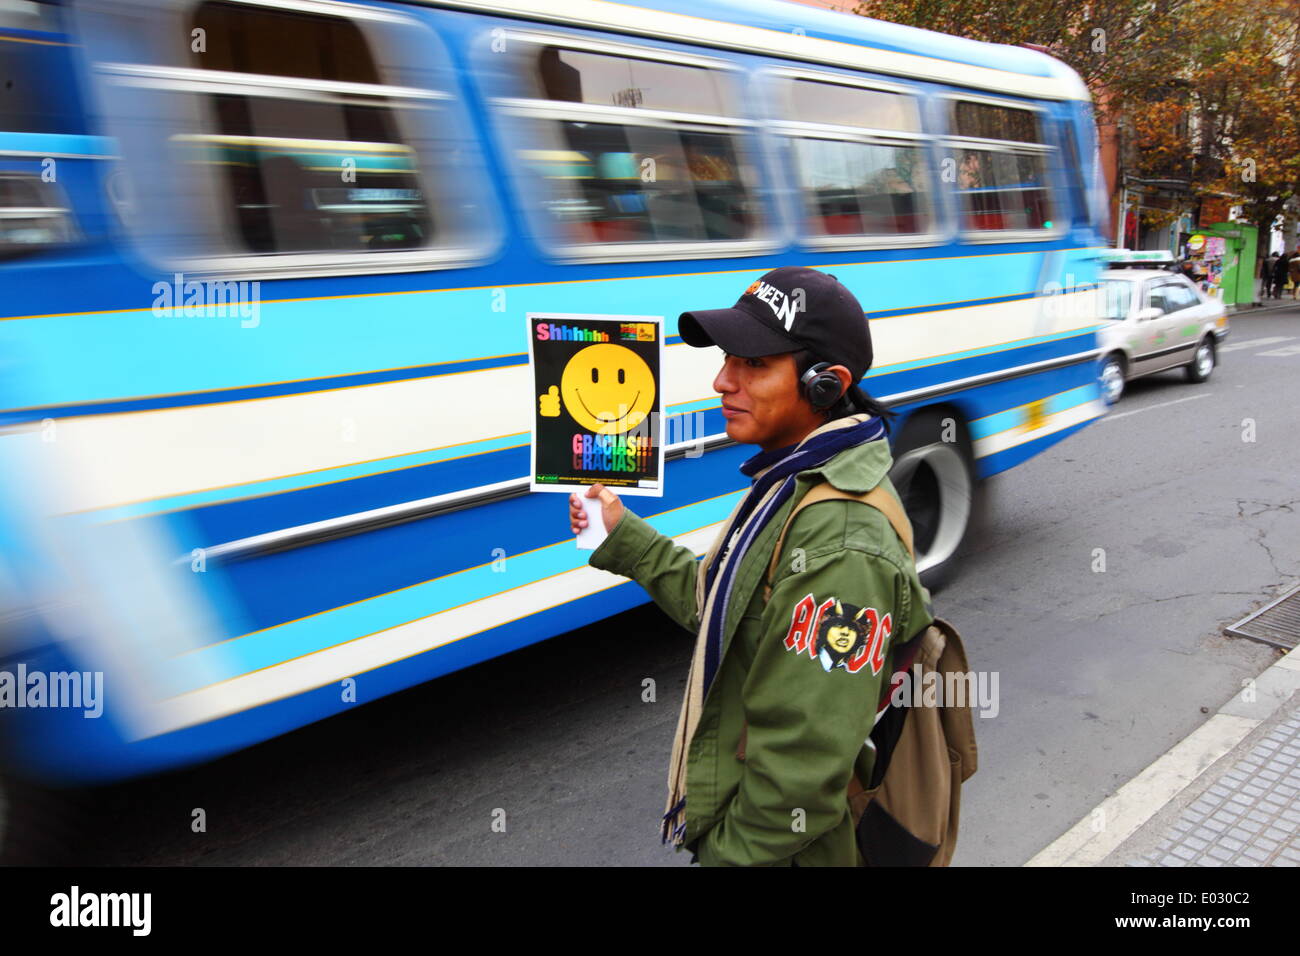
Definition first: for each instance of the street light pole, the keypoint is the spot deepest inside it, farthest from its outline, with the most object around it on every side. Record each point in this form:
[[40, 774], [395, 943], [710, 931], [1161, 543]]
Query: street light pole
[[1123, 212]]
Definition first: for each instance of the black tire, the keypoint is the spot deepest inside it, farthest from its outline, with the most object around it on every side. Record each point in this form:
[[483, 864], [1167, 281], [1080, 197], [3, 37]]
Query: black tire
[[41, 827], [935, 478], [1203, 360]]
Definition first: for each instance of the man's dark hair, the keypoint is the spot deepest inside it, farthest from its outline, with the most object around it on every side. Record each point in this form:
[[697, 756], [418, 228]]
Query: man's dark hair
[[831, 619], [804, 360]]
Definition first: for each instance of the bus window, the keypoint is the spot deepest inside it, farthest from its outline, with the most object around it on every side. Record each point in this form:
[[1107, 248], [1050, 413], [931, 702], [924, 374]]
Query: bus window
[[580, 76], [32, 214], [625, 149], [859, 158], [306, 168], [1001, 167], [1074, 173]]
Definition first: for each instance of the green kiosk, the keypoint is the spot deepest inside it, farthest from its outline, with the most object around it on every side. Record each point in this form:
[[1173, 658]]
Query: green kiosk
[[1225, 252]]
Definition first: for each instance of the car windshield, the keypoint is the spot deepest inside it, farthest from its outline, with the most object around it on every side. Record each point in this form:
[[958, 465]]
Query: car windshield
[[1113, 302]]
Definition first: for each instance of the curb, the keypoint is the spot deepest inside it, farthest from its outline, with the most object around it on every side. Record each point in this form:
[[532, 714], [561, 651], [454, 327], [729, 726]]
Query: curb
[[1133, 804], [1253, 309]]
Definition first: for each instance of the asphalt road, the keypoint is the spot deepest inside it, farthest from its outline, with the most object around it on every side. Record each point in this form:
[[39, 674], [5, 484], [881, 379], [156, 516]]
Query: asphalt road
[[1099, 672]]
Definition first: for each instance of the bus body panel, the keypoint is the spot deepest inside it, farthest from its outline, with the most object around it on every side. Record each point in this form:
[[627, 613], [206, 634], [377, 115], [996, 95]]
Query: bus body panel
[[163, 445]]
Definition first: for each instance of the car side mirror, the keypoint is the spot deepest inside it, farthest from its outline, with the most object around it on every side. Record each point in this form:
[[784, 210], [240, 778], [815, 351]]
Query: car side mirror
[[1149, 313]]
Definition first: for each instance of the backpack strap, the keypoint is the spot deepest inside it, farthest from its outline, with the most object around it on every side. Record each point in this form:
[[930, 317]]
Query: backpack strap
[[879, 497]]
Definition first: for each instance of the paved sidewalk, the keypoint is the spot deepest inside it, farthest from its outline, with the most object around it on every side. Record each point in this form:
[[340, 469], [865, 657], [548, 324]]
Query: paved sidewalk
[[1227, 795], [1248, 816]]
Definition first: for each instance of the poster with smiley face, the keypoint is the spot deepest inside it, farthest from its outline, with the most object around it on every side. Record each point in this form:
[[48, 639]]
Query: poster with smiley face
[[597, 402]]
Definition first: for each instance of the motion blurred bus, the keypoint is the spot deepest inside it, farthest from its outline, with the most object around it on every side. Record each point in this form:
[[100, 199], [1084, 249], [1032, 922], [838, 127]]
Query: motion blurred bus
[[265, 402]]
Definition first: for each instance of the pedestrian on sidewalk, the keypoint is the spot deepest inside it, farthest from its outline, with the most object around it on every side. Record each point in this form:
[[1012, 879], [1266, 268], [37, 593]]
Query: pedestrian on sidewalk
[[1264, 272], [1280, 269], [1293, 272], [783, 689]]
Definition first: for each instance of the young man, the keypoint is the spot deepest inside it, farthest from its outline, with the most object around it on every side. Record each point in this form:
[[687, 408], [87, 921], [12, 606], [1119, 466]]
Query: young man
[[783, 691]]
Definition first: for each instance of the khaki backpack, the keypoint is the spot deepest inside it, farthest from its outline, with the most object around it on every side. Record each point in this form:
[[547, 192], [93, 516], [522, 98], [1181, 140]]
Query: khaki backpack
[[907, 814]]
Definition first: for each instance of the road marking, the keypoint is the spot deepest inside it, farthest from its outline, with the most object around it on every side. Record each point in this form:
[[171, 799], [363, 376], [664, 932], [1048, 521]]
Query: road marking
[[1176, 401], [1287, 351], [1255, 343]]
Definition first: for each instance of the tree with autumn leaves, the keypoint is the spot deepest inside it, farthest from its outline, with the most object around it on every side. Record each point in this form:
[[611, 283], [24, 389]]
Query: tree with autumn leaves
[[1202, 90]]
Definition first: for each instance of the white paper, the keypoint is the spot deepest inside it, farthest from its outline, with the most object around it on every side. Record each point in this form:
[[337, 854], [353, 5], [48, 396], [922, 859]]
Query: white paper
[[590, 537]]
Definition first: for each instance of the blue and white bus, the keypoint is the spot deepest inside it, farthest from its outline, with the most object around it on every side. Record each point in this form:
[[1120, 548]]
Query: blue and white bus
[[265, 265]]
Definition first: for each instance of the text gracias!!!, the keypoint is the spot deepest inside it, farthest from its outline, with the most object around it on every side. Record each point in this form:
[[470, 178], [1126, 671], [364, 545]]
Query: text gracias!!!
[[612, 452]]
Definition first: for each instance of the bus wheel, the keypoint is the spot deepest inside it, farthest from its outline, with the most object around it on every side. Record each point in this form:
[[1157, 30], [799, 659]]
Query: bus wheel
[[38, 827], [1202, 363], [935, 478]]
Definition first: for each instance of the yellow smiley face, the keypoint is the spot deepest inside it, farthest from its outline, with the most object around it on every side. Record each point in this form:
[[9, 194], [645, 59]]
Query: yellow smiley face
[[608, 389]]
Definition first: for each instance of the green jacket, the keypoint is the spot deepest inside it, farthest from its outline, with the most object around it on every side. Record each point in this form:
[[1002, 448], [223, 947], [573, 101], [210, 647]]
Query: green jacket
[[806, 715]]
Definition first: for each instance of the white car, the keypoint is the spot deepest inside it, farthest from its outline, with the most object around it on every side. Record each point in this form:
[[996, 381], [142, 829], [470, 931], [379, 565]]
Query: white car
[[1155, 320]]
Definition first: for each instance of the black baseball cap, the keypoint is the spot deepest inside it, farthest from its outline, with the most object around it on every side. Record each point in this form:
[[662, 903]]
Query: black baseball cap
[[788, 309]]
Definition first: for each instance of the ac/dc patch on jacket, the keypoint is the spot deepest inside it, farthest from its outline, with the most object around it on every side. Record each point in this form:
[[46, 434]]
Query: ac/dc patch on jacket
[[839, 635]]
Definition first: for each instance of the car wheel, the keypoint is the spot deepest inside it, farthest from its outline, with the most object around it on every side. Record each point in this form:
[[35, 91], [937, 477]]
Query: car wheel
[[934, 474], [1202, 363], [1111, 378]]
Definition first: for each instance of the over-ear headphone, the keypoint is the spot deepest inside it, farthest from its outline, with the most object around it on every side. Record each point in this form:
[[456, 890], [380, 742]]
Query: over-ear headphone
[[822, 387]]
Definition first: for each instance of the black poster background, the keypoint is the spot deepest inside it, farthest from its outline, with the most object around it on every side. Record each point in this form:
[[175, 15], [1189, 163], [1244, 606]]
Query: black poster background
[[554, 464]]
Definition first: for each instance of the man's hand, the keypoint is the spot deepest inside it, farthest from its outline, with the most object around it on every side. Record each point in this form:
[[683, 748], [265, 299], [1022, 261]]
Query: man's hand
[[611, 508]]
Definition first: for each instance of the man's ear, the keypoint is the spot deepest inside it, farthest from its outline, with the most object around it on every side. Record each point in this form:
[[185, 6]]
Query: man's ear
[[844, 375]]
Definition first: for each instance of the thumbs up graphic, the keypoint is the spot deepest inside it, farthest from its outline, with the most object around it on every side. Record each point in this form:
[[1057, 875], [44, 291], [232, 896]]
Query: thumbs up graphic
[[551, 402]]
